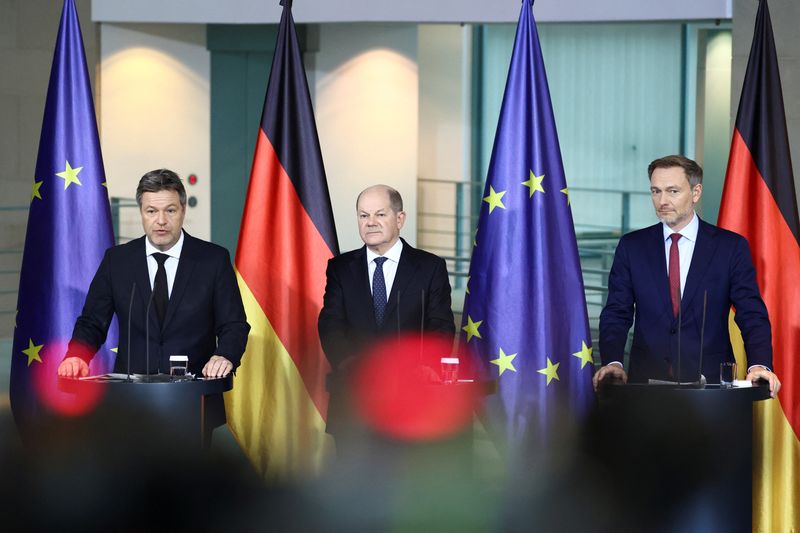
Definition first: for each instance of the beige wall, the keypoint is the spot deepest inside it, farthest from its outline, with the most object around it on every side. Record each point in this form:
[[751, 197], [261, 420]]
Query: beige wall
[[155, 113], [444, 128], [366, 104]]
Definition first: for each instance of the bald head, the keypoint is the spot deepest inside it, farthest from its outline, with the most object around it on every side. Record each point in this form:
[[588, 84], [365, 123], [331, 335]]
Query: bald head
[[379, 210], [395, 200]]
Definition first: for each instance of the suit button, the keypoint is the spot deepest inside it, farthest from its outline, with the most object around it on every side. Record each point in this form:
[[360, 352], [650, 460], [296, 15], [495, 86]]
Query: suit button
[[673, 331]]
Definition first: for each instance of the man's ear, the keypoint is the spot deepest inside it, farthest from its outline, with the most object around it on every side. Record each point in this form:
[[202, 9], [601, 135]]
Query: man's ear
[[697, 192]]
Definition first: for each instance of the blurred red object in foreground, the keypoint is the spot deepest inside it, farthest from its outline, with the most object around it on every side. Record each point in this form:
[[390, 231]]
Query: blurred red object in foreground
[[397, 390], [65, 398]]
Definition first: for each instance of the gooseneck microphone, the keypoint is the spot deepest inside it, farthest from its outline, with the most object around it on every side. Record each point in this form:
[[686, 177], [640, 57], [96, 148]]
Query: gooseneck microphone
[[422, 315], [398, 313], [422, 326], [130, 311], [702, 333], [147, 335], [680, 320]]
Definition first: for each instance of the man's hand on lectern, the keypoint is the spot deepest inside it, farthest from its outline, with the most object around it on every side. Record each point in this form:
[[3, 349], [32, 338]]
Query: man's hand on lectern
[[611, 371], [759, 372], [217, 367], [73, 367]]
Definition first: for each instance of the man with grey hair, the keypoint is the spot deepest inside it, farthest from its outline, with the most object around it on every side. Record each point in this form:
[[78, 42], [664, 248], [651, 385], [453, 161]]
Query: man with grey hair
[[382, 289], [185, 287]]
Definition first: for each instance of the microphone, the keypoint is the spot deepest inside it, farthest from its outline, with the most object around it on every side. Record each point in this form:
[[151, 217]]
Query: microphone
[[677, 379], [700, 383], [680, 320], [130, 311], [421, 324], [702, 332], [422, 315], [147, 336], [398, 313]]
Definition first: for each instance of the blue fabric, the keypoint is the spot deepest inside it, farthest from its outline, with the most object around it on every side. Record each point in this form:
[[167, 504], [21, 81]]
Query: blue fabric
[[69, 223], [525, 286]]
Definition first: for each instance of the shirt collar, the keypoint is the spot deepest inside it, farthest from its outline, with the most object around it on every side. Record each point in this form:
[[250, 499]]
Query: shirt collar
[[392, 254], [689, 231], [175, 251]]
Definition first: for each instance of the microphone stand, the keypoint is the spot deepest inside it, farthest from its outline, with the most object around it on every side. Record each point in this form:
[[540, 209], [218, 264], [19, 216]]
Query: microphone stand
[[130, 311], [700, 383], [146, 376], [680, 322], [702, 333], [421, 327]]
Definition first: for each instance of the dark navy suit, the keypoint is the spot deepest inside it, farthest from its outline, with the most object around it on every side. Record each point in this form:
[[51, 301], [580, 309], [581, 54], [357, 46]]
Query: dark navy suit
[[638, 288]]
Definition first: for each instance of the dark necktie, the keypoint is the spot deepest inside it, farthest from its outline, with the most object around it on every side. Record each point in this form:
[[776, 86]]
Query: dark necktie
[[675, 274], [160, 293], [379, 291]]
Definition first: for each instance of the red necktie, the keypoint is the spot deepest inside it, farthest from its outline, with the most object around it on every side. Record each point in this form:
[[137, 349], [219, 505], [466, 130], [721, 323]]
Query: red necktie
[[675, 273]]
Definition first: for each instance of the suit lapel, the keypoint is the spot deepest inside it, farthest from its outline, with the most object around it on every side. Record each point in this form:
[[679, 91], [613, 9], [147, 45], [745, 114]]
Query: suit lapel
[[360, 276], [704, 250], [186, 265], [405, 272], [657, 265], [140, 273]]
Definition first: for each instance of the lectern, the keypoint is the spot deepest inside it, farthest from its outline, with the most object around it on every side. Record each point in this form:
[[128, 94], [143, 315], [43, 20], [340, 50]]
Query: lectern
[[150, 404], [679, 458]]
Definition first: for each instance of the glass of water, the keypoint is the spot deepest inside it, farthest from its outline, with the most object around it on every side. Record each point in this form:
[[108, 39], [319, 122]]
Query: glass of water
[[449, 370], [727, 373], [178, 366]]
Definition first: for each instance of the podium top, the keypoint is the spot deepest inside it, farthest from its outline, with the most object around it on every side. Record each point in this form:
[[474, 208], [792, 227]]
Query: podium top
[[200, 385], [624, 391]]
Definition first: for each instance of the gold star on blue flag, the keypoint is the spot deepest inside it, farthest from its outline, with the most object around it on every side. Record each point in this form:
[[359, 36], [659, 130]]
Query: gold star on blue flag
[[60, 256], [525, 279]]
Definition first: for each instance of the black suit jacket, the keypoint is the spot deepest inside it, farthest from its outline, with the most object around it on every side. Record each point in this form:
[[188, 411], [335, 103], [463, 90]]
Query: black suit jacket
[[638, 286], [419, 299], [204, 316]]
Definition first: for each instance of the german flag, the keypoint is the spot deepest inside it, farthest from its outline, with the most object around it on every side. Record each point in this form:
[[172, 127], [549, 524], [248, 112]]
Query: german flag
[[278, 405], [759, 202]]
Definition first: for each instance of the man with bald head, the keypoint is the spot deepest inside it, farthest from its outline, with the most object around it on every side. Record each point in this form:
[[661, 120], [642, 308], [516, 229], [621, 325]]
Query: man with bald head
[[384, 288]]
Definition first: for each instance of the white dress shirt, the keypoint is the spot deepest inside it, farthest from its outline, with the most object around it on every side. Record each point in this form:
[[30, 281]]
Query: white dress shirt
[[389, 267], [170, 265]]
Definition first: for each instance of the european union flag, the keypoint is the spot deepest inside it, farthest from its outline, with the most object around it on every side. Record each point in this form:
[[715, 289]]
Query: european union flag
[[69, 228], [525, 314]]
